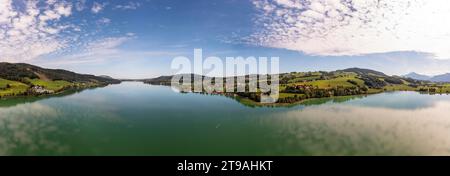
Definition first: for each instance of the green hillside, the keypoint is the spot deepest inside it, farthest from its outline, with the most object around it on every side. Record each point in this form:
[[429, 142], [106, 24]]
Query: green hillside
[[299, 86], [24, 80], [12, 88]]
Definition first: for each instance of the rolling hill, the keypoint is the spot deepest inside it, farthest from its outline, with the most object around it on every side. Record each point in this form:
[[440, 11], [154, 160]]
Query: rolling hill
[[25, 79], [298, 86]]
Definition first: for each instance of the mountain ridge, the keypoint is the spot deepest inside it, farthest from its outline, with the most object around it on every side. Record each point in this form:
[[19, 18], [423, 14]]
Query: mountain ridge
[[17, 71], [437, 78]]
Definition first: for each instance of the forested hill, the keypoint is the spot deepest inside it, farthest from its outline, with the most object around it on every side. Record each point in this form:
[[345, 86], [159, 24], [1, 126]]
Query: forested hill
[[20, 71], [358, 78], [25, 80]]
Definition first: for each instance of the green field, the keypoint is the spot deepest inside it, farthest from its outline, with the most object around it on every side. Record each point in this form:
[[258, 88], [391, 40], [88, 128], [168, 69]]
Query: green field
[[285, 95], [334, 82], [14, 88], [50, 85], [400, 87], [308, 78]]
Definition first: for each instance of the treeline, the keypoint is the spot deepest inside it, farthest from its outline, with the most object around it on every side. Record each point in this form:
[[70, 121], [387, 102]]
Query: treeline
[[301, 93], [433, 90], [305, 92], [373, 82], [15, 72]]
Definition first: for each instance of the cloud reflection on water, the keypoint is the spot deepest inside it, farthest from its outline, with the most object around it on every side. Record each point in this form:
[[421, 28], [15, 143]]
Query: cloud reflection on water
[[28, 128], [340, 129]]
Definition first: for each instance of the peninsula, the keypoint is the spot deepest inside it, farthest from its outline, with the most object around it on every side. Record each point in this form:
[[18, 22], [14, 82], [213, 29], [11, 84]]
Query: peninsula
[[295, 87]]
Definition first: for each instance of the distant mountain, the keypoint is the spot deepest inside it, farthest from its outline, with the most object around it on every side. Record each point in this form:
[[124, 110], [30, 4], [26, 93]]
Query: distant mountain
[[437, 78], [441, 78], [106, 76], [417, 76], [167, 80]]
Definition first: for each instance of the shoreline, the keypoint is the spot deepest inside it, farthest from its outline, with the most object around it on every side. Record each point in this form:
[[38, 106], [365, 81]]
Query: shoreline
[[258, 104], [252, 103], [55, 94]]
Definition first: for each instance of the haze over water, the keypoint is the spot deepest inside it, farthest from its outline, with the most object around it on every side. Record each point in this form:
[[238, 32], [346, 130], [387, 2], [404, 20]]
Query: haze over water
[[138, 119]]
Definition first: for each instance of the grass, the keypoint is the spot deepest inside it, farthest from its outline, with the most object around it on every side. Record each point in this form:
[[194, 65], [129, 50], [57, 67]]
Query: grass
[[284, 95], [446, 88], [10, 88], [15, 88], [400, 87], [301, 79], [50, 85], [374, 91], [334, 82]]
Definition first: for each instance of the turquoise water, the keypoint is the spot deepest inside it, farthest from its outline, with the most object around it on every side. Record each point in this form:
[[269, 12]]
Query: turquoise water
[[137, 119]]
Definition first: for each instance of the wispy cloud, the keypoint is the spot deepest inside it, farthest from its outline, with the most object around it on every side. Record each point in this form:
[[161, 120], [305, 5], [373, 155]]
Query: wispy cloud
[[107, 49], [97, 7], [345, 27], [96, 51], [32, 31], [103, 21], [128, 6]]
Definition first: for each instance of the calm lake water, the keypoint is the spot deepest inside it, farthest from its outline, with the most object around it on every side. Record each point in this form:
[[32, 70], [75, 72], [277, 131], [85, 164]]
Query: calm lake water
[[137, 119]]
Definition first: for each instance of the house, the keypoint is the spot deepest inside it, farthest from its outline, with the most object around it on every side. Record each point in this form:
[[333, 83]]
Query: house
[[41, 90]]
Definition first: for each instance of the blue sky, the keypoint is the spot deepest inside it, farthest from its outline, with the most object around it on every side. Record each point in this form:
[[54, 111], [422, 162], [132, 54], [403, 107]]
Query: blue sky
[[139, 38]]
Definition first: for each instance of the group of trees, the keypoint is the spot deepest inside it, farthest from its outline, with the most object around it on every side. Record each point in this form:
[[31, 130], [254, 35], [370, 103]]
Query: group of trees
[[255, 96], [373, 81], [304, 92], [393, 80], [433, 90], [293, 99]]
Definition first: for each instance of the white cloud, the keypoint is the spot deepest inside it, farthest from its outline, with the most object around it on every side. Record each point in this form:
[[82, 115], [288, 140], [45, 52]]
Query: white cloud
[[32, 31], [45, 29], [97, 7], [128, 6], [107, 49], [104, 21], [95, 51], [344, 27]]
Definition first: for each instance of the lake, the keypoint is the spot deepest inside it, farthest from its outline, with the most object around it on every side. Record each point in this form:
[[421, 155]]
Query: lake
[[137, 119]]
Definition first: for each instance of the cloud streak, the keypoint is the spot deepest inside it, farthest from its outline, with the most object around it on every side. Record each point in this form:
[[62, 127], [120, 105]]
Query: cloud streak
[[128, 6], [345, 27], [96, 51]]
